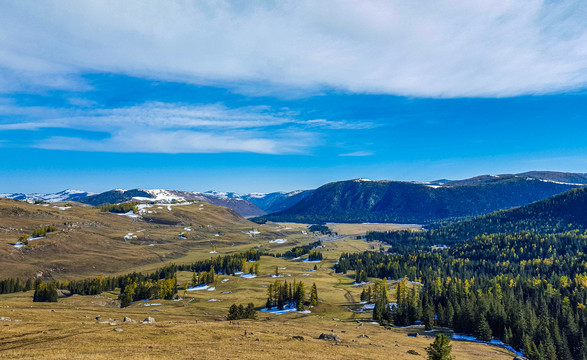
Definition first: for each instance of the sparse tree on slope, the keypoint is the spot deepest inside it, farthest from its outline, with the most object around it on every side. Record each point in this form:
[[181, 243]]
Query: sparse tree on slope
[[313, 295], [440, 349]]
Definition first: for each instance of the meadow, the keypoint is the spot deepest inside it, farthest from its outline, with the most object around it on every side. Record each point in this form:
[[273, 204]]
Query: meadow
[[195, 325]]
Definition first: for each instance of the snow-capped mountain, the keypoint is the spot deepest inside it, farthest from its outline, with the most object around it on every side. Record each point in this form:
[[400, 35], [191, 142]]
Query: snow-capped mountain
[[241, 206], [269, 202], [65, 195]]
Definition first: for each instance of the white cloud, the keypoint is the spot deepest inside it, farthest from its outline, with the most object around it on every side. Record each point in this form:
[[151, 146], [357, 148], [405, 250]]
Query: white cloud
[[175, 142], [169, 128], [340, 125], [359, 153], [438, 48]]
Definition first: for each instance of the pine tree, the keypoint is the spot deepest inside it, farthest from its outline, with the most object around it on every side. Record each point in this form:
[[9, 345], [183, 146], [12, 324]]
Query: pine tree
[[269, 303], [233, 312], [250, 311], [45, 293], [378, 310], [440, 349], [482, 329], [428, 317], [313, 295], [300, 296]]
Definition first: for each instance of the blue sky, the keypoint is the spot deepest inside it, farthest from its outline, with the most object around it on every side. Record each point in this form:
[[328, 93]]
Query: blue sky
[[271, 96]]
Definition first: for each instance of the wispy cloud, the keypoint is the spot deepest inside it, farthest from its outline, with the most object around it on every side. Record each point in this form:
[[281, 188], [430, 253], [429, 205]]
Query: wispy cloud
[[341, 124], [359, 153], [426, 49], [170, 128]]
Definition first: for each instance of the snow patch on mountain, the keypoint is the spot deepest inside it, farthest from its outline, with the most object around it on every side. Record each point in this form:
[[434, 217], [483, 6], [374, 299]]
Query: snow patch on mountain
[[65, 195], [164, 195]]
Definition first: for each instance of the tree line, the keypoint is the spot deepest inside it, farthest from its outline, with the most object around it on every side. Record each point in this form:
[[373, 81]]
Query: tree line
[[119, 208], [527, 289], [281, 295], [298, 251], [237, 312]]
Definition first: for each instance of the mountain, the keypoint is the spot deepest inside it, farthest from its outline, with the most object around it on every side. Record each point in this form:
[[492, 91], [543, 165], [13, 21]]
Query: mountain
[[90, 241], [65, 195], [559, 213], [551, 176], [268, 202], [114, 197], [570, 178], [362, 200], [241, 206]]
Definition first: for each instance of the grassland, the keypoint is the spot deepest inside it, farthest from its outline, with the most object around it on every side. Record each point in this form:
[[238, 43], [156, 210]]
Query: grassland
[[354, 229], [68, 329], [89, 243], [361, 229]]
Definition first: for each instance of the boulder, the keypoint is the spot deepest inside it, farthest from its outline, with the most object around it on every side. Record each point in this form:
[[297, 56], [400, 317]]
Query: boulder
[[3, 318], [127, 319], [118, 329], [148, 320], [331, 337], [63, 293]]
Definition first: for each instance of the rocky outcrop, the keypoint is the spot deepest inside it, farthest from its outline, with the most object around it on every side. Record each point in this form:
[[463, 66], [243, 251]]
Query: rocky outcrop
[[330, 337]]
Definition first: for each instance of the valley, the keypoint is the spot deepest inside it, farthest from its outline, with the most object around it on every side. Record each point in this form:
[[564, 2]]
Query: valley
[[189, 327], [499, 284]]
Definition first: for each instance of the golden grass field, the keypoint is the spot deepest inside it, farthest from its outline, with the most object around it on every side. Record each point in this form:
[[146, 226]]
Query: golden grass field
[[68, 329], [361, 229], [89, 242]]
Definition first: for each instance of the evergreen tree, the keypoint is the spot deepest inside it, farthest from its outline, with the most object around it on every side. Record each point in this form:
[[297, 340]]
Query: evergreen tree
[[313, 295], [233, 312], [482, 329], [363, 295], [45, 293], [300, 296], [440, 349], [428, 319], [250, 312]]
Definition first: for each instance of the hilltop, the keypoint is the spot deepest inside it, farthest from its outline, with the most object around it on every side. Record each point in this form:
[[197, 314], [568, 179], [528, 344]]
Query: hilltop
[[361, 200], [559, 213], [88, 240], [241, 206]]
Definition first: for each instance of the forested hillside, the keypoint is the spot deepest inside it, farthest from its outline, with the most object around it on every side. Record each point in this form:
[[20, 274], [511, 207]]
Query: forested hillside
[[114, 197], [517, 275], [403, 202], [560, 213]]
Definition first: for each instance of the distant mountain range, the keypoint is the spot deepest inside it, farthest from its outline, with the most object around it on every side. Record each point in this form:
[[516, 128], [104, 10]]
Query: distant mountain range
[[269, 202], [359, 200], [241, 206], [65, 195], [362, 200]]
